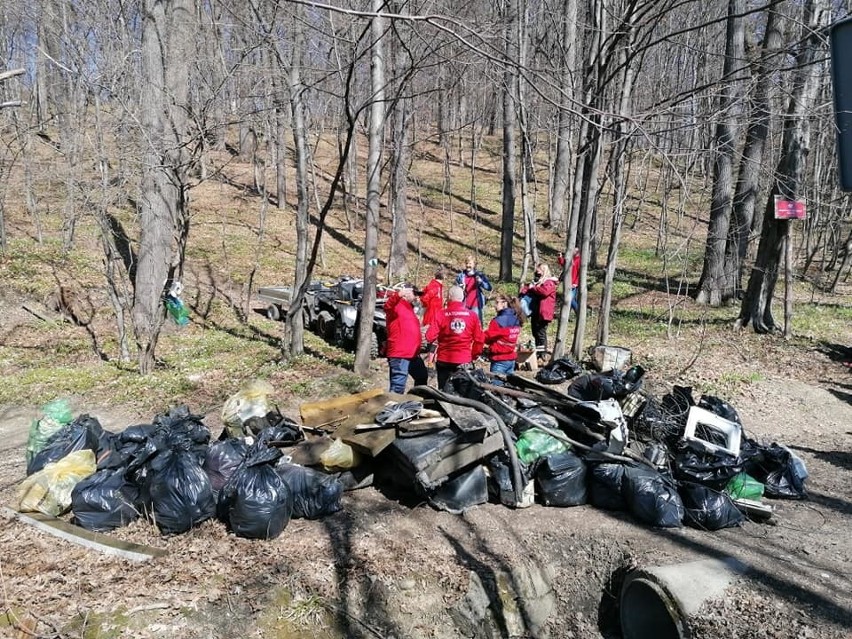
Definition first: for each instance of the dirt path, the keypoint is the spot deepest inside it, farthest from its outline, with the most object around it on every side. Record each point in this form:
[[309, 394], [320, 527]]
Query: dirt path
[[381, 568]]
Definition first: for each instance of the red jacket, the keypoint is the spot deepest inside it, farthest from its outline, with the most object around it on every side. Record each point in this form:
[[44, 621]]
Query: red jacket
[[458, 333], [545, 292], [403, 328], [432, 300], [575, 269], [502, 336]]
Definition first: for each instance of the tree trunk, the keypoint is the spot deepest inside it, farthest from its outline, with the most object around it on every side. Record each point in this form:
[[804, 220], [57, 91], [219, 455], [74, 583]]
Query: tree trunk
[[400, 162], [562, 165], [295, 324], [751, 163], [510, 90], [374, 186], [756, 308], [162, 206], [711, 285]]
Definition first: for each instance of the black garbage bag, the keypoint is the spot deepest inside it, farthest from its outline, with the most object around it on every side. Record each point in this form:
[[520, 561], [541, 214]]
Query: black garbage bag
[[605, 486], [284, 429], [105, 501], [720, 407], [596, 387], [84, 433], [177, 494], [782, 474], [713, 470], [535, 414], [129, 450], [222, 459], [179, 429], [315, 494], [461, 491], [500, 486], [558, 371], [561, 480], [709, 509], [652, 497], [256, 502]]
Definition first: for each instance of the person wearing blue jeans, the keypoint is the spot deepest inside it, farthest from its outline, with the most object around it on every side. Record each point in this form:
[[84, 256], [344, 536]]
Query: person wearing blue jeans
[[502, 335], [403, 346]]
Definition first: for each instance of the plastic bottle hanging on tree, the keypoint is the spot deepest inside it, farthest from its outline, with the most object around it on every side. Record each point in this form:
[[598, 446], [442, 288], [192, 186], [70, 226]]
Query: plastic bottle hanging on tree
[[175, 306]]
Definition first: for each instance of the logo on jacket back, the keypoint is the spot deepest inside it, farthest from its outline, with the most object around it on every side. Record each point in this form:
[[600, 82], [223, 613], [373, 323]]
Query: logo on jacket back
[[458, 326]]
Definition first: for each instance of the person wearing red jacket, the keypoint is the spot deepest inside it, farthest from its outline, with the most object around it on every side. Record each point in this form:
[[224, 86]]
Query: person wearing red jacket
[[502, 334], [458, 335], [543, 293], [575, 275], [403, 345], [432, 298]]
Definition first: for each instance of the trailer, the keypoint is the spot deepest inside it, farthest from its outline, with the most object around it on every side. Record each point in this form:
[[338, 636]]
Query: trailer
[[277, 300]]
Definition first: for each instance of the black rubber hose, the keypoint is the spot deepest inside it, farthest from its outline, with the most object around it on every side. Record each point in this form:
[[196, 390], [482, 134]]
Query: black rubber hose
[[508, 441]]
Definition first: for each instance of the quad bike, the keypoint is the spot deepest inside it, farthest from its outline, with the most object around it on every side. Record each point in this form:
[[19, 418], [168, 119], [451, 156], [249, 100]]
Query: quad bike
[[331, 311]]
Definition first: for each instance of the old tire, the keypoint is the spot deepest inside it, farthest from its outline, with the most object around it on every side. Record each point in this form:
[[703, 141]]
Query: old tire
[[374, 346], [273, 312]]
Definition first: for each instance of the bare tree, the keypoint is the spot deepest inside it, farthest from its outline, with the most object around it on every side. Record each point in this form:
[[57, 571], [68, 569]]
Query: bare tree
[[756, 308], [374, 181], [163, 214], [712, 284]]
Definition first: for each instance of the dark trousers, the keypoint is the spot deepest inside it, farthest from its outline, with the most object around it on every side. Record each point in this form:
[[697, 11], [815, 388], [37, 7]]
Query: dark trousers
[[539, 332], [444, 371]]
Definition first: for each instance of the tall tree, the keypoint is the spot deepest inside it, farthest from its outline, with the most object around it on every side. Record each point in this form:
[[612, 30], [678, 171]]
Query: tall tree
[[163, 214], [374, 187], [712, 284], [756, 308], [510, 145], [751, 161]]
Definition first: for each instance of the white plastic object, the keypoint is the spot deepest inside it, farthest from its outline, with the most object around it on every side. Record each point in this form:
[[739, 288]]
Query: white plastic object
[[609, 358], [730, 431]]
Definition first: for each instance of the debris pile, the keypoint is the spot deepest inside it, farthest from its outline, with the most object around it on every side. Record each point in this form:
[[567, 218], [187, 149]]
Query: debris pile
[[567, 437]]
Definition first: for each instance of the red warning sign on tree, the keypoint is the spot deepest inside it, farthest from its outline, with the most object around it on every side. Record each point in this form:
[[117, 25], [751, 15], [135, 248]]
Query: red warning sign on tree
[[789, 209]]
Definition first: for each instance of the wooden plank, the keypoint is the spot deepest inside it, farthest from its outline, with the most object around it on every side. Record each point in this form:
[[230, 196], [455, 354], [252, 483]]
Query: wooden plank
[[87, 538], [331, 410]]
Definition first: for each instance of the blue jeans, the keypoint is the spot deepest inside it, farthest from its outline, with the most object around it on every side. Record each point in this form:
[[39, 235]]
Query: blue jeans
[[400, 368], [505, 367]]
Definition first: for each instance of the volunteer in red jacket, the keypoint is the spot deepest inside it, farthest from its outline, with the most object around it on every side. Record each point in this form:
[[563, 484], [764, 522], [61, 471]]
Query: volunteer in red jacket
[[432, 298], [403, 345], [543, 292], [575, 275], [501, 338], [458, 335]]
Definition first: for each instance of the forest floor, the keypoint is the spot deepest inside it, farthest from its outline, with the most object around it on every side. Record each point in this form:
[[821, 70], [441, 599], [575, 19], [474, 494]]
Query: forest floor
[[384, 567]]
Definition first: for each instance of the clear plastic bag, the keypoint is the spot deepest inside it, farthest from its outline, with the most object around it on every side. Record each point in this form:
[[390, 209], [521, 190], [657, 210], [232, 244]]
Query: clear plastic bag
[[251, 401]]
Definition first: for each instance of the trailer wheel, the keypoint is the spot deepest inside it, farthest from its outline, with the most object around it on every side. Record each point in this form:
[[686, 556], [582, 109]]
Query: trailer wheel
[[273, 312]]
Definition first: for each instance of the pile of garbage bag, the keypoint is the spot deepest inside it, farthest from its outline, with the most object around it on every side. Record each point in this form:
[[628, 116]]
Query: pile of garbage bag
[[597, 438], [171, 473]]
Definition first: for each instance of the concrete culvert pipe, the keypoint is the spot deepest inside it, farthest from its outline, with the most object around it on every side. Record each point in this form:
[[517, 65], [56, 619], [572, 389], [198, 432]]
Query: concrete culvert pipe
[[656, 602]]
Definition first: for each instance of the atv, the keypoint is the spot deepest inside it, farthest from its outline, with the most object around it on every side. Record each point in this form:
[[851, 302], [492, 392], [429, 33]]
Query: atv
[[331, 311]]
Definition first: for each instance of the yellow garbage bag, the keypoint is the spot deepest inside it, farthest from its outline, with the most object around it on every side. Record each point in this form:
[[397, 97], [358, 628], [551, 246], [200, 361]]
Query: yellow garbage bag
[[48, 491]]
